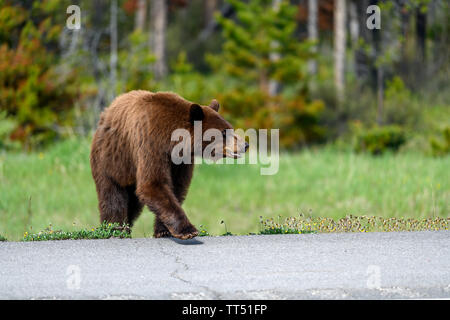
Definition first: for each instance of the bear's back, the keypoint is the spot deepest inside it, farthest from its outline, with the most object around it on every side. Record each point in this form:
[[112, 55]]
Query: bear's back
[[142, 118], [140, 105]]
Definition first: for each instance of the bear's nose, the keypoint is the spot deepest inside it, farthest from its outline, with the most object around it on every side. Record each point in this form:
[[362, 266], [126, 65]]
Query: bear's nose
[[246, 146]]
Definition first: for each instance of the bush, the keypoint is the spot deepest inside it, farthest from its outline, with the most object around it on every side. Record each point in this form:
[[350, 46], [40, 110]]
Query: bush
[[440, 148], [377, 140], [34, 91], [401, 107]]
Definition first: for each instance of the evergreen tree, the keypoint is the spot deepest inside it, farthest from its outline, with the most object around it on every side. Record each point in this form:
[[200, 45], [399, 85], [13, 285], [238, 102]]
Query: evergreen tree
[[260, 31]]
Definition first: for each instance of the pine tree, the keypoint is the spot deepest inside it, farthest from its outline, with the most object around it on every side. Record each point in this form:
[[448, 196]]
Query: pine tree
[[260, 31], [260, 48]]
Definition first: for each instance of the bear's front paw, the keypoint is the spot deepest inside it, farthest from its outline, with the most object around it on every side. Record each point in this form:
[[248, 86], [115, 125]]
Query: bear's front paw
[[186, 232], [162, 234]]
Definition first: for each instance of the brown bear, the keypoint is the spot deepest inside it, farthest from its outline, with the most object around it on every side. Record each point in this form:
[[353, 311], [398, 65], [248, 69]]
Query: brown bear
[[131, 158]]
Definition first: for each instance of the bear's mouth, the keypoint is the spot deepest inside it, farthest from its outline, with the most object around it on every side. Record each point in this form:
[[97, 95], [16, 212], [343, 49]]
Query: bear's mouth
[[232, 154]]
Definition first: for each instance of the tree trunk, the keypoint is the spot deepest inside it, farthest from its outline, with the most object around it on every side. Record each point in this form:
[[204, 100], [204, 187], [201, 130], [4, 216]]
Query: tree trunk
[[113, 53], [354, 31], [339, 48], [313, 33], [362, 60], [274, 86], [421, 25], [378, 71], [210, 8], [141, 15], [158, 36], [380, 95]]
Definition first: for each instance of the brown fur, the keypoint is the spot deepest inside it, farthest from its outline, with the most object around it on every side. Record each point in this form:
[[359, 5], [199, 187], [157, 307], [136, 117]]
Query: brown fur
[[130, 159]]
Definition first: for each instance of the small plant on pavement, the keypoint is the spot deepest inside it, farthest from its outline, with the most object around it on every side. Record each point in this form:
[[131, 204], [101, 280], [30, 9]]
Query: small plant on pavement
[[350, 223], [104, 231]]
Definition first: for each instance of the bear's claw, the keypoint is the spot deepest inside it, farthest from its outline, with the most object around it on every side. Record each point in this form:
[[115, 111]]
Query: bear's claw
[[186, 236], [188, 232], [162, 234]]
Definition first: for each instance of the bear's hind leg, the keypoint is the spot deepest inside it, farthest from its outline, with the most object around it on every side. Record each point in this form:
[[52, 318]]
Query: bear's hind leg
[[112, 201], [134, 205]]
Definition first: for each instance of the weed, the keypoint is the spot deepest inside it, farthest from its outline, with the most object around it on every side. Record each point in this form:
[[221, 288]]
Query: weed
[[104, 231], [203, 232], [226, 230], [350, 223]]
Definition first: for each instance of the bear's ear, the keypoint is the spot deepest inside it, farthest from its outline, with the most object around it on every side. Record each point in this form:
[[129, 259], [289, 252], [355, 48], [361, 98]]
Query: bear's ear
[[196, 113], [215, 105]]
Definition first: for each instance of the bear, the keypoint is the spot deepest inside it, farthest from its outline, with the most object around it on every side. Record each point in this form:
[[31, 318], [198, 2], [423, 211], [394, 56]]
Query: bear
[[131, 158]]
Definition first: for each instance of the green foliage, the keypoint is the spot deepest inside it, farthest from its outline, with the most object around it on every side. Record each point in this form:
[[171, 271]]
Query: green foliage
[[260, 49], [2, 238], [104, 231], [262, 30], [441, 148], [401, 107], [7, 125], [33, 89], [203, 232], [377, 140], [135, 63], [350, 223], [227, 233], [191, 84]]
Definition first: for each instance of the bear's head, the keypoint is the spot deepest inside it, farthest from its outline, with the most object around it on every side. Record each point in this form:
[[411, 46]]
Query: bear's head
[[218, 136]]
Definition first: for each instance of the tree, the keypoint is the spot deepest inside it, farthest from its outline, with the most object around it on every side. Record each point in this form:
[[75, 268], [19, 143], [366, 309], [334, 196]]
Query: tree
[[274, 85], [260, 31], [158, 36], [339, 47], [36, 93], [140, 15], [421, 28], [113, 54], [313, 33], [210, 8], [248, 66]]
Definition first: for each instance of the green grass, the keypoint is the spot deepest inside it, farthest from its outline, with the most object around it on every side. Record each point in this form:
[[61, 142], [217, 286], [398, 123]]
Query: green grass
[[55, 187], [104, 231], [350, 223]]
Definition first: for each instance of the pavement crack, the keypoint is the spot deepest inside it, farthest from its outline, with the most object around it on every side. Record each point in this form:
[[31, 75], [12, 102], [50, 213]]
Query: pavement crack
[[183, 266]]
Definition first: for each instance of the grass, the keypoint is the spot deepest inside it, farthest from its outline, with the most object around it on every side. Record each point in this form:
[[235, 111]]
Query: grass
[[55, 187], [104, 231], [305, 224]]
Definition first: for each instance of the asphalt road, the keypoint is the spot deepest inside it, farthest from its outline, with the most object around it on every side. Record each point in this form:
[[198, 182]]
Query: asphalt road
[[313, 266]]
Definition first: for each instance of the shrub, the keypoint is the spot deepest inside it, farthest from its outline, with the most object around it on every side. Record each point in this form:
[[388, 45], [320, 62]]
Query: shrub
[[104, 231], [401, 107], [34, 90], [440, 148], [377, 140]]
